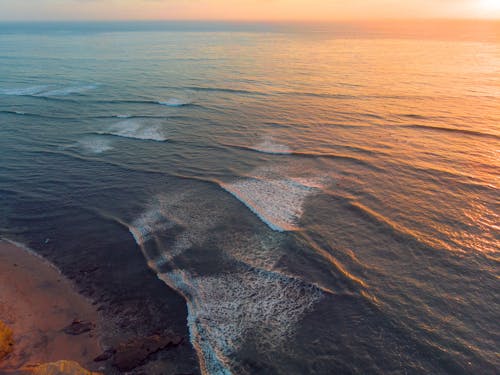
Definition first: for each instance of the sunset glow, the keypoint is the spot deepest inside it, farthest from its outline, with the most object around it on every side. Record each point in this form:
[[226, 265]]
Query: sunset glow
[[248, 9]]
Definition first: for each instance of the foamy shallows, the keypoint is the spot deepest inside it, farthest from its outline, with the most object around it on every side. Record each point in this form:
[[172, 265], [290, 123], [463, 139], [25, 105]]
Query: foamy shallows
[[175, 102], [269, 146], [137, 130], [150, 222], [228, 309], [275, 198], [247, 300], [94, 145]]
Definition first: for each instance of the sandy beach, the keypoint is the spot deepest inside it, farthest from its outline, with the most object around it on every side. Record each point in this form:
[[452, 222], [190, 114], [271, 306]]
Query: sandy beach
[[37, 302]]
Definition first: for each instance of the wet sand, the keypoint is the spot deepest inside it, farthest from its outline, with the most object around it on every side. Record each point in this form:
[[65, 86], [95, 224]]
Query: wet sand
[[37, 302]]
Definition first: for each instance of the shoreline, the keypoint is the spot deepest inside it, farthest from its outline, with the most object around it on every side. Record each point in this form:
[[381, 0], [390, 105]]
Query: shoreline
[[37, 303], [137, 323]]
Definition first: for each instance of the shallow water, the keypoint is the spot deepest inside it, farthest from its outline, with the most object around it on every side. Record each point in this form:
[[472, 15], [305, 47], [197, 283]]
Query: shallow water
[[325, 199]]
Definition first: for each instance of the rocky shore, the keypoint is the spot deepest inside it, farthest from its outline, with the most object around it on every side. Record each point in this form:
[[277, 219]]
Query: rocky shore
[[47, 327]]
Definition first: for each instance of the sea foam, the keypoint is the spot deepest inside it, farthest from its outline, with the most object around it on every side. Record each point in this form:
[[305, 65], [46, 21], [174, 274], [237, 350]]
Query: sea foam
[[47, 90], [25, 91], [137, 130], [94, 145], [275, 198], [175, 102], [245, 298], [270, 146], [65, 91], [228, 309]]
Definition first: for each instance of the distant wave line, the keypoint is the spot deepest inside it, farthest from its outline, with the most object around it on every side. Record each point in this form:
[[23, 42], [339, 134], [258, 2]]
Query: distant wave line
[[453, 130]]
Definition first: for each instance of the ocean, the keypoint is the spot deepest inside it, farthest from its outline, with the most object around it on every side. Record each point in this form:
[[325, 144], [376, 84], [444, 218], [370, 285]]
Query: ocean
[[324, 198]]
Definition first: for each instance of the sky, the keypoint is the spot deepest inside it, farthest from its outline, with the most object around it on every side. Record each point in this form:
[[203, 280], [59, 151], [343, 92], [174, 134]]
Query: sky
[[264, 10]]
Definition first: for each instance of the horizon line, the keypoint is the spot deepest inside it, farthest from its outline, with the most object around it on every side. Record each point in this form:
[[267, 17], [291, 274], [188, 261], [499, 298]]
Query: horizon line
[[338, 20]]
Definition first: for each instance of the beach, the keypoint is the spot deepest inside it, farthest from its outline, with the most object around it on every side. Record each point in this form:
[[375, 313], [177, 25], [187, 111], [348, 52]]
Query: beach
[[37, 302], [52, 326]]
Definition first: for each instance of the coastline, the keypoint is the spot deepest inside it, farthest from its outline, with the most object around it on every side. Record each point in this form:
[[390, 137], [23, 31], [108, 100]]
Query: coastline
[[41, 302], [36, 303]]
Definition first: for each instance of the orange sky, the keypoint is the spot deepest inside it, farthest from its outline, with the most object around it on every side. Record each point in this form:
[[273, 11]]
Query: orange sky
[[247, 9]]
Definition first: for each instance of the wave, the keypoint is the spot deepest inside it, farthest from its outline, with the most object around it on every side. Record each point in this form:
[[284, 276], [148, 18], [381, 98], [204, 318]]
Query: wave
[[269, 146], [24, 91], [47, 91], [65, 91], [175, 102], [94, 145], [279, 149], [136, 130], [225, 310], [19, 113], [454, 130], [224, 90], [275, 198], [241, 299]]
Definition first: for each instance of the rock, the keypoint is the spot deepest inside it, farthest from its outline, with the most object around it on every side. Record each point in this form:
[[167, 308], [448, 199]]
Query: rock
[[77, 327], [6, 341], [134, 353], [105, 356]]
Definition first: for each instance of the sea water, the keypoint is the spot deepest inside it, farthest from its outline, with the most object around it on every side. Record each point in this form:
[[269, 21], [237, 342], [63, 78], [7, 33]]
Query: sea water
[[324, 197]]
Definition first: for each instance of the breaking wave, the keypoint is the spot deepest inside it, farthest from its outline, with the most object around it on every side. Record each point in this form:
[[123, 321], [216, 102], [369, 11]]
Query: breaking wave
[[175, 102], [275, 198], [47, 90], [65, 91], [269, 146], [244, 299], [94, 145], [136, 130], [226, 310], [25, 91]]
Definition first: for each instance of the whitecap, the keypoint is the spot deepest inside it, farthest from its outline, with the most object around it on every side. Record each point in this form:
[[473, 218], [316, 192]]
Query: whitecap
[[95, 145], [269, 146], [175, 102], [23, 91], [275, 198], [65, 91], [137, 130]]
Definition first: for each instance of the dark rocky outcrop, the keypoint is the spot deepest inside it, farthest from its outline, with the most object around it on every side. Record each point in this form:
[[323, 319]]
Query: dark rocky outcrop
[[135, 352], [78, 327]]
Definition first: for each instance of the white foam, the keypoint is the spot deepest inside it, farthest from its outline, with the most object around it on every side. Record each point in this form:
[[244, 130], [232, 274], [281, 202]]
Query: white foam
[[227, 309], [149, 223], [276, 199], [247, 299], [32, 90], [137, 130], [122, 116], [269, 146], [65, 91], [175, 102], [95, 145]]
